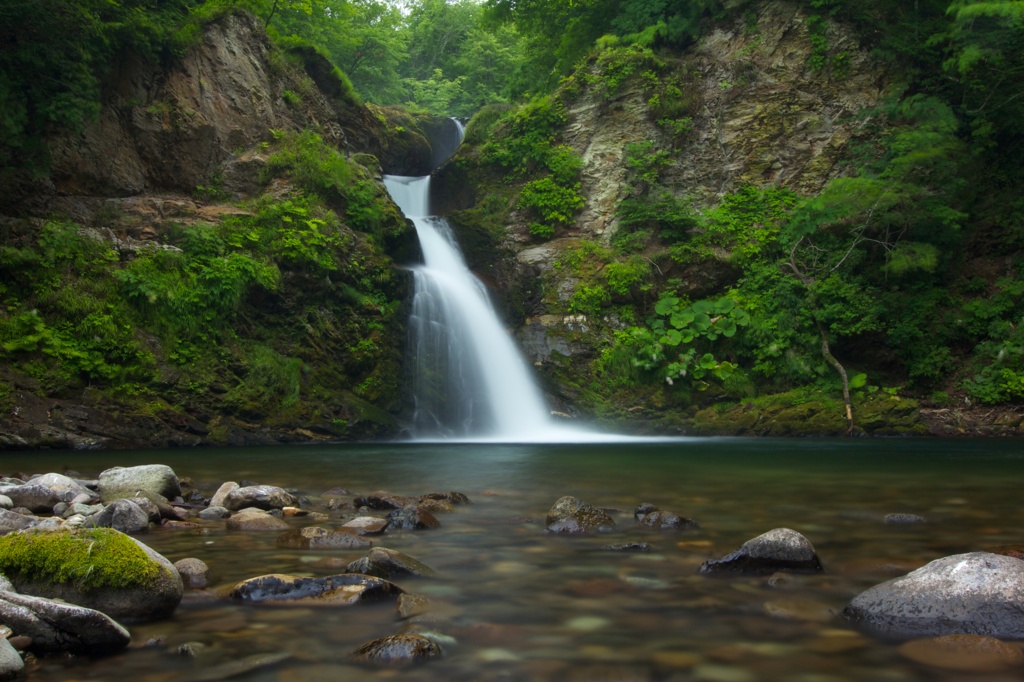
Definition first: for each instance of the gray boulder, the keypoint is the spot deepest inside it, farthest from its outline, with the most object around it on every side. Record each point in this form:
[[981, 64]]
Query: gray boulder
[[336, 590], [14, 521], [977, 593], [6, 502], [122, 515], [61, 484], [366, 525], [57, 628], [412, 518], [260, 497], [387, 563], [127, 481], [35, 498], [781, 549], [214, 512], [570, 516]]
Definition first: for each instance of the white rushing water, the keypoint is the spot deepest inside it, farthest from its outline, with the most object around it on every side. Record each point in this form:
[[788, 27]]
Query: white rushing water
[[470, 380]]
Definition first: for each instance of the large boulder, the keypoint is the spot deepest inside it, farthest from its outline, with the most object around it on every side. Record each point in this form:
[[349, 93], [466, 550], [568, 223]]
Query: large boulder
[[59, 483], [57, 628], [570, 515], [977, 593], [259, 496], [98, 568], [336, 590], [781, 549], [128, 481]]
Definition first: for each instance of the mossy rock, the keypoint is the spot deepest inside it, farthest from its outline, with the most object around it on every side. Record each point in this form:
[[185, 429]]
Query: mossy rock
[[99, 568]]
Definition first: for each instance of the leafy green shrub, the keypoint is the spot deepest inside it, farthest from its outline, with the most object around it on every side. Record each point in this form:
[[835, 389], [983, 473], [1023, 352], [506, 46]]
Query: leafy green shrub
[[553, 203], [480, 127], [623, 277]]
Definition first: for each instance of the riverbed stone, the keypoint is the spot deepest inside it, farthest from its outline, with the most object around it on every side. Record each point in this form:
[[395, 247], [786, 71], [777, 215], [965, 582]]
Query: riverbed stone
[[381, 499], [978, 593], [388, 563], [436, 506], [214, 512], [10, 520], [315, 537], [194, 572], [667, 520], [6, 502], [450, 496], [10, 660], [398, 650], [56, 627], [127, 579], [222, 493], [366, 525], [780, 549], [964, 653], [337, 590], [68, 488], [256, 520], [898, 519], [259, 496], [410, 605], [121, 482], [570, 515], [36, 498], [122, 515], [412, 518]]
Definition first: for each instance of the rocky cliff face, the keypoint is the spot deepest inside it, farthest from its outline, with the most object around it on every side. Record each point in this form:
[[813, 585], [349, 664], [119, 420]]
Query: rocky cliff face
[[185, 148], [757, 114]]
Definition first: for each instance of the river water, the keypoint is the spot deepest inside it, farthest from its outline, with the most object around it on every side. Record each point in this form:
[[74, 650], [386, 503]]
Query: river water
[[513, 603]]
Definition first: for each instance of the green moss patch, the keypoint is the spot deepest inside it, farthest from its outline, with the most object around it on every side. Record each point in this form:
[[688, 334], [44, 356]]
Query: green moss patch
[[87, 559]]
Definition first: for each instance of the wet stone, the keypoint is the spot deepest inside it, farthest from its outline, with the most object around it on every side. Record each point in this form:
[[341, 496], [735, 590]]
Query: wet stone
[[259, 496], [780, 549], [398, 650], [965, 653], [904, 519], [384, 500], [412, 518], [450, 496], [315, 537], [629, 547], [336, 590], [366, 525], [240, 667], [662, 519], [211, 513], [194, 572], [571, 516], [255, 520], [643, 510], [387, 563], [411, 605]]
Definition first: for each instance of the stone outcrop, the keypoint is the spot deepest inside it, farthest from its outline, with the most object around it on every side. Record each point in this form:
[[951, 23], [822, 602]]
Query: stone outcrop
[[780, 549]]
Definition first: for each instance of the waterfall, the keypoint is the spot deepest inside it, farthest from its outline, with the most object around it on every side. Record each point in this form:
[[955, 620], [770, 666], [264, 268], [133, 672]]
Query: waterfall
[[470, 380]]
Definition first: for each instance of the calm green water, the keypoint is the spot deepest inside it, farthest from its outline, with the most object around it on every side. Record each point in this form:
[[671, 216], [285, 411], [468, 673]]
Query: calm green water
[[521, 605]]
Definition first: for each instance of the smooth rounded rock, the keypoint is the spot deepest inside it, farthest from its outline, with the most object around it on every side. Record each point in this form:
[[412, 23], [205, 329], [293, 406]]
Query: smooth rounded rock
[[366, 525], [666, 520], [214, 512], [384, 500], [259, 496], [14, 521], [388, 563], [398, 650], [314, 537], [964, 653], [67, 487], [35, 498], [450, 496], [336, 590], [128, 481], [977, 593], [10, 660], [122, 515], [256, 520], [570, 516], [222, 493], [780, 549], [901, 519], [194, 572], [6, 502]]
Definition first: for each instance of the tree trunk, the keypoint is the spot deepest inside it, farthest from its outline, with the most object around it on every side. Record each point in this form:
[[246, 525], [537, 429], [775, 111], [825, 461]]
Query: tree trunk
[[271, 15], [831, 359]]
